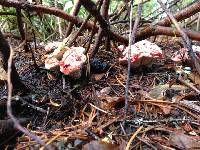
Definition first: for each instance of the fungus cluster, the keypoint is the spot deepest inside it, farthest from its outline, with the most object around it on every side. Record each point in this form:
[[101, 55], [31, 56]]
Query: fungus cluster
[[68, 60]]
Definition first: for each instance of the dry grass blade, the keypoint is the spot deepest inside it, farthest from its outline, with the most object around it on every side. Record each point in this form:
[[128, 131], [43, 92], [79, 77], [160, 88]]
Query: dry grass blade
[[133, 137]]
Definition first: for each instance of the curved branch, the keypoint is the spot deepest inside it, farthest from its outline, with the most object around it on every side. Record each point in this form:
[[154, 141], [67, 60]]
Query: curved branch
[[60, 13], [47, 10], [182, 14], [160, 30]]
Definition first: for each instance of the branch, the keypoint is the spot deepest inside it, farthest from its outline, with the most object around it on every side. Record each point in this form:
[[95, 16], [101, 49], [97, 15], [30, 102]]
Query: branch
[[59, 13], [77, 7], [169, 31], [182, 14], [9, 109]]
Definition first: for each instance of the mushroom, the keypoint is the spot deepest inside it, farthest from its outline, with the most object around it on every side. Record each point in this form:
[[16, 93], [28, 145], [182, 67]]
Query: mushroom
[[68, 60], [54, 55], [183, 55], [72, 62], [142, 54]]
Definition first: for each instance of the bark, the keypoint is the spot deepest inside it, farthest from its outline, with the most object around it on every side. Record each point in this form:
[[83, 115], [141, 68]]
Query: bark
[[182, 14], [169, 31]]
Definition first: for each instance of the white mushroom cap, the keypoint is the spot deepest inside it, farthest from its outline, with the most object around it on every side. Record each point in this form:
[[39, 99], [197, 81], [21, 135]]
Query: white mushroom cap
[[142, 53]]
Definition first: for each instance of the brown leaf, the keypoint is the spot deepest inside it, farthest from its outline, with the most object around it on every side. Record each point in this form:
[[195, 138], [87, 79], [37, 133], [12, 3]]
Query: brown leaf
[[105, 91], [182, 141], [108, 102], [100, 145], [97, 77], [165, 108], [158, 91], [194, 77]]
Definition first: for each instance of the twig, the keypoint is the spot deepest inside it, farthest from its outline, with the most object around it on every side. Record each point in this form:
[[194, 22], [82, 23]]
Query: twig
[[135, 121], [9, 109], [108, 123], [146, 142], [102, 31], [131, 41], [21, 30], [35, 45], [100, 2], [189, 85], [132, 138], [58, 21], [123, 130], [82, 27], [129, 62], [131, 94], [99, 109], [31, 105], [58, 135], [76, 9]]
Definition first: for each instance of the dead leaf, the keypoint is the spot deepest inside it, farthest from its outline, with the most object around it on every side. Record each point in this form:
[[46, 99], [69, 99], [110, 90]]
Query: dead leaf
[[182, 141], [186, 127], [105, 91], [97, 77], [194, 77], [158, 91], [100, 145], [165, 108], [108, 102]]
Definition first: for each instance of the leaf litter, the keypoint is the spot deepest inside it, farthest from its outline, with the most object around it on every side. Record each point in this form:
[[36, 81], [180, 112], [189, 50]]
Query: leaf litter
[[87, 113]]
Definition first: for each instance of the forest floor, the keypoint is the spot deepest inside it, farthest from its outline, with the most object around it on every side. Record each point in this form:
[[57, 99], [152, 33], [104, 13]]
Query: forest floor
[[68, 113]]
